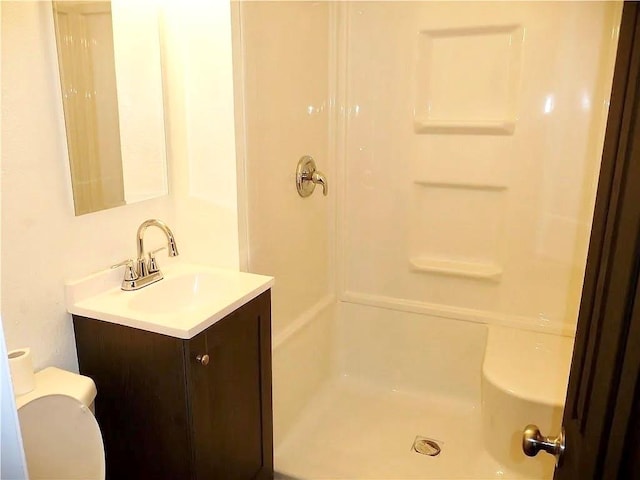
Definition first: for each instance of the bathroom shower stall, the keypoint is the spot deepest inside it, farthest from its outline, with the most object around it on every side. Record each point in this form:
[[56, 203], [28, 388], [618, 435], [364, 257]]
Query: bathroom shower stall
[[461, 144]]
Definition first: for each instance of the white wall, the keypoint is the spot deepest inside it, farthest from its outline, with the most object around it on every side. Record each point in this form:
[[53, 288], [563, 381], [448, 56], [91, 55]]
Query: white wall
[[405, 351], [200, 111], [282, 55], [12, 461], [473, 142], [285, 58], [43, 243]]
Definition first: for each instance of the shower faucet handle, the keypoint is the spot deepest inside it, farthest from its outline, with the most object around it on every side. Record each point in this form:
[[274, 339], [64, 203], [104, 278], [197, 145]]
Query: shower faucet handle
[[307, 177], [318, 178]]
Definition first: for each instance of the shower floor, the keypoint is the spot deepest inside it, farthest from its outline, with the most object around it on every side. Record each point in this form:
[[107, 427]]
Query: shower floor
[[355, 430]]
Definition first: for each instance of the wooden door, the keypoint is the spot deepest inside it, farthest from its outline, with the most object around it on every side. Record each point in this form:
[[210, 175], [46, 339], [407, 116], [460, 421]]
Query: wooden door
[[602, 412]]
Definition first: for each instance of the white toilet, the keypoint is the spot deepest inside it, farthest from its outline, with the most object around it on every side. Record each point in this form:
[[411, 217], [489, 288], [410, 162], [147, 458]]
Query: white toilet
[[60, 434]]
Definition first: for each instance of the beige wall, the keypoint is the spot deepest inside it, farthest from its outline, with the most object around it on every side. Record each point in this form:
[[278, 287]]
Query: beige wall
[[12, 461], [471, 156], [201, 135], [282, 52], [43, 243], [285, 47]]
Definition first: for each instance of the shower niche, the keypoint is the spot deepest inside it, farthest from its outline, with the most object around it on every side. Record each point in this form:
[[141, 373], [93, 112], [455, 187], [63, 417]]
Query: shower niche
[[478, 92]]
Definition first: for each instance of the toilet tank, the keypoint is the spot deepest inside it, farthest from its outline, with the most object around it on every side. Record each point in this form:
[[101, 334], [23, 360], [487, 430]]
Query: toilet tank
[[52, 380]]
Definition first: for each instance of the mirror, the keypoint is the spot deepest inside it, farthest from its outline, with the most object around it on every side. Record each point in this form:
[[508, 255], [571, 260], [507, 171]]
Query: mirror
[[110, 74]]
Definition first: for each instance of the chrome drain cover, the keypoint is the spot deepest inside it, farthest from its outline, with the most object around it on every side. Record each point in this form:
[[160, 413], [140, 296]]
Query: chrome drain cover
[[426, 446]]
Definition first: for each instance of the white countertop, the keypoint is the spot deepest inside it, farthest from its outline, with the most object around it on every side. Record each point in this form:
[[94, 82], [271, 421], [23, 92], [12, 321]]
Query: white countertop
[[186, 302]]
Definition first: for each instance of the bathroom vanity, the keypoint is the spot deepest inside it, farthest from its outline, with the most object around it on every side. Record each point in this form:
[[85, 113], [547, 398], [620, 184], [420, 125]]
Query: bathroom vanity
[[176, 405]]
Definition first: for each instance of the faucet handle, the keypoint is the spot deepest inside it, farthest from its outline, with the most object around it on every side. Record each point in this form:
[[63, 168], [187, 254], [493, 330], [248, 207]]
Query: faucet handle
[[307, 177], [129, 272], [319, 179], [153, 266]]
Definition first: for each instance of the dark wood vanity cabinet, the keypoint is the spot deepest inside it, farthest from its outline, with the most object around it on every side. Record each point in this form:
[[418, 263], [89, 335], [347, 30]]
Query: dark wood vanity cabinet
[[167, 411]]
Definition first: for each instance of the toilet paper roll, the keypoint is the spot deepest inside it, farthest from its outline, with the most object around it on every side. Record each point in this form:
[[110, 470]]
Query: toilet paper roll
[[21, 369]]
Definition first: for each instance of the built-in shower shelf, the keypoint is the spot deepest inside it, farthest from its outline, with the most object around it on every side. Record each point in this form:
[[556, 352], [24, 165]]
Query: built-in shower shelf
[[423, 124], [461, 185], [483, 271]]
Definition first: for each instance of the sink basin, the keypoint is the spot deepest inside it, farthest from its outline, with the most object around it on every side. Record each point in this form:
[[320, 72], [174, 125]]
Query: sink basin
[[177, 294], [189, 298]]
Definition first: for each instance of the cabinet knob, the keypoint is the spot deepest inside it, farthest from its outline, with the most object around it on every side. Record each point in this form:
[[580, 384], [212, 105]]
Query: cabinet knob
[[203, 359]]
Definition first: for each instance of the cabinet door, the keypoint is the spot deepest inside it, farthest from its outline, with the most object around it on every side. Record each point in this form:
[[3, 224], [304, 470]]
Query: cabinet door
[[141, 405], [226, 396]]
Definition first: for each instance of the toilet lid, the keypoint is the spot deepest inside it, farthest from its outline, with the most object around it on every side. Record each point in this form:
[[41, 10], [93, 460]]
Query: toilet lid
[[61, 439]]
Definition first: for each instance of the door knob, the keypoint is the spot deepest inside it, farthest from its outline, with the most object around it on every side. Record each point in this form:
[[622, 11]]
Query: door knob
[[533, 441], [203, 359], [307, 177]]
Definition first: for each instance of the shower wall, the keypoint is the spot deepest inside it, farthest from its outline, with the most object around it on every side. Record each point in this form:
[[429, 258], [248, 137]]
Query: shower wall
[[473, 140], [281, 61], [285, 84], [462, 144]]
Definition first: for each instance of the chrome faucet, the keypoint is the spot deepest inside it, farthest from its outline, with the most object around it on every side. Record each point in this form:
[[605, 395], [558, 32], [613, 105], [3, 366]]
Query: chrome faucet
[[146, 271], [144, 268], [308, 176], [319, 179]]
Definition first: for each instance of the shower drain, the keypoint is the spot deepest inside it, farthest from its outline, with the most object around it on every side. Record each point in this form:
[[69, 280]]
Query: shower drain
[[426, 446]]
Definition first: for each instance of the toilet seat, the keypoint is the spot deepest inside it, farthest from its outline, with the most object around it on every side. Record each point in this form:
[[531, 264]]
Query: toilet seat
[[61, 439]]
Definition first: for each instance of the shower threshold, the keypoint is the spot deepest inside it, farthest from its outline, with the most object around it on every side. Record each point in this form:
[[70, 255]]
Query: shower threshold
[[358, 431]]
